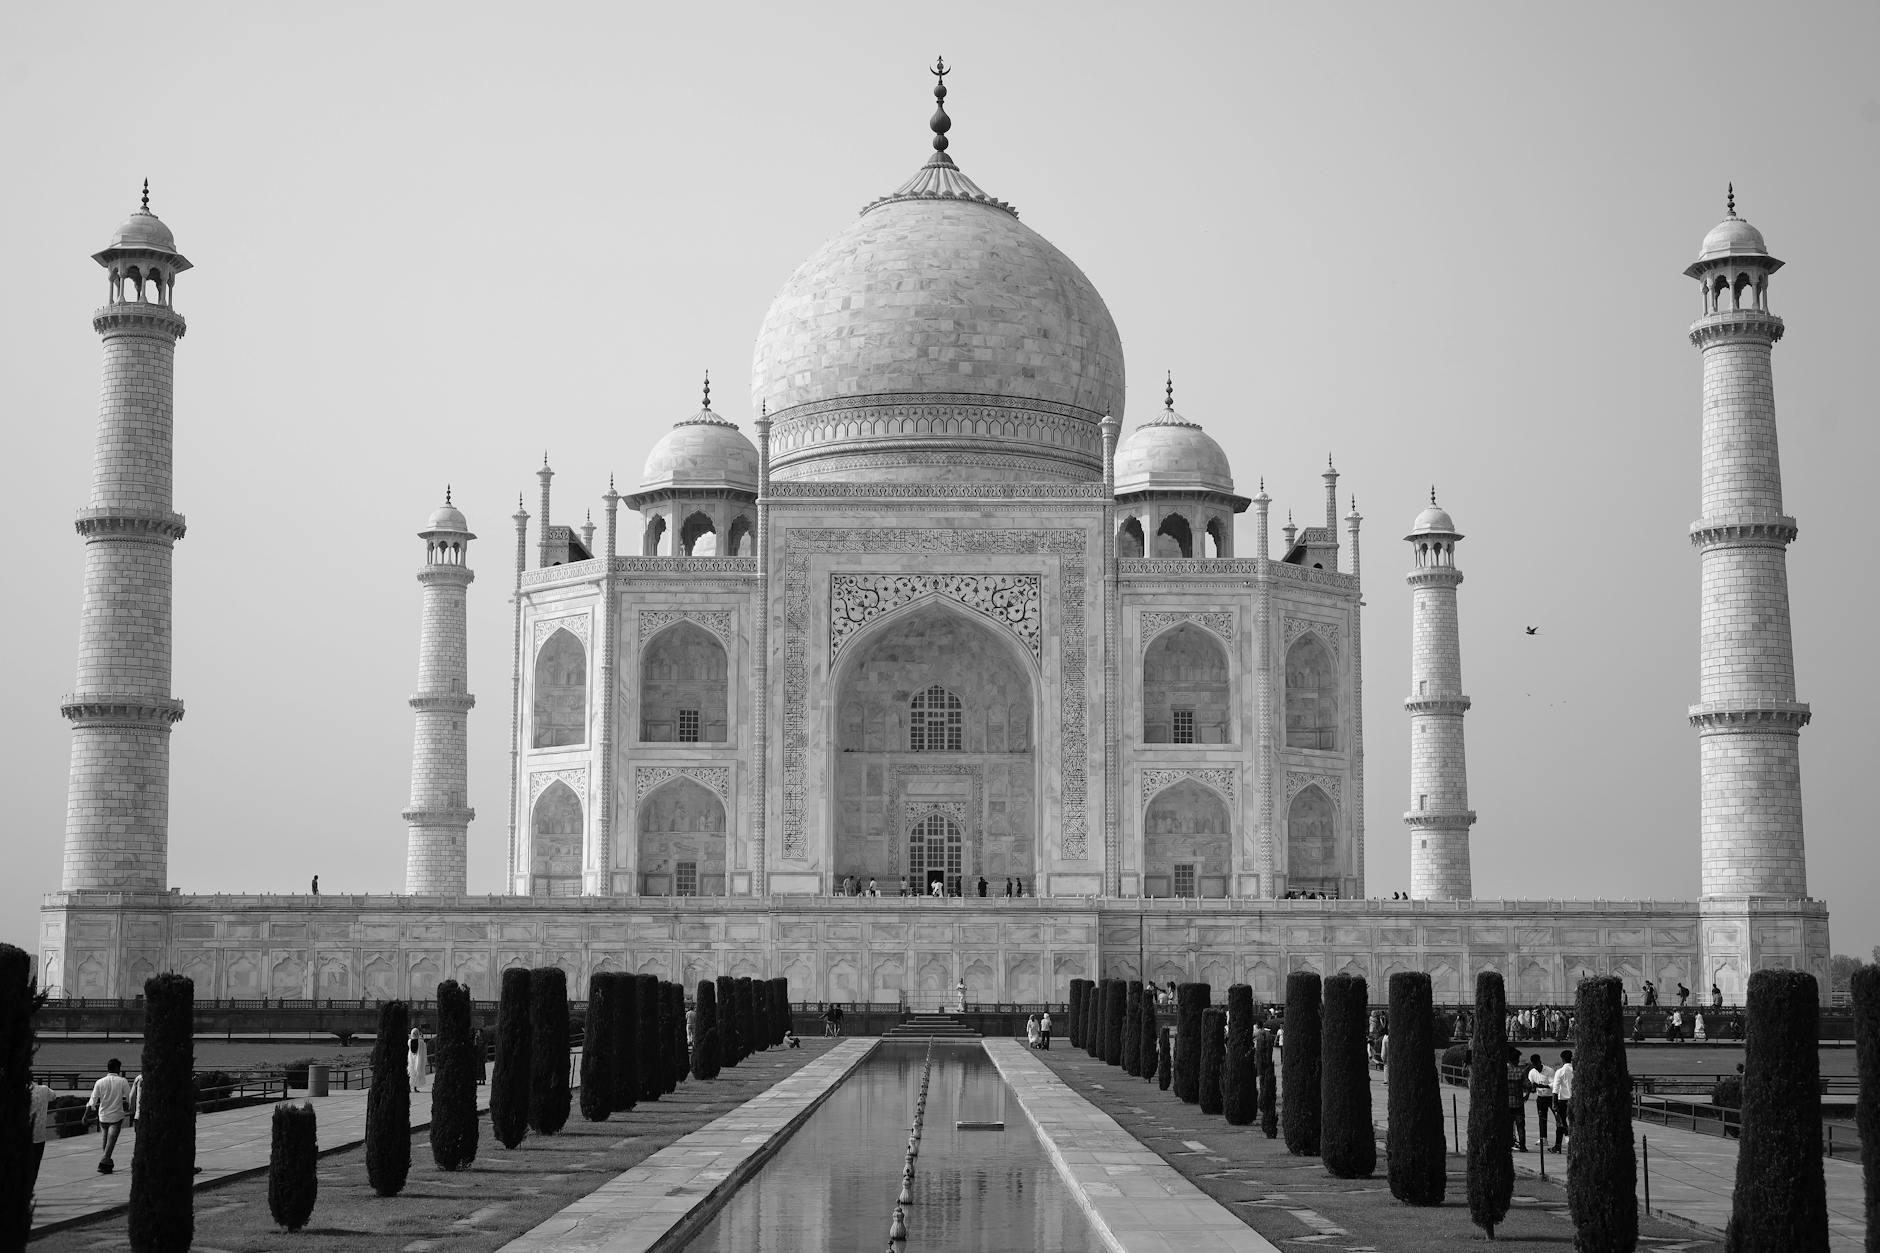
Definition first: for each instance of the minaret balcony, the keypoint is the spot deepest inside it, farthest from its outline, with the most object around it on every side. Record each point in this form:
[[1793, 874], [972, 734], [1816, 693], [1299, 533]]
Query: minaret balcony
[[1770, 717], [442, 816], [1434, 820], [1775, 531], [1455, 706], [1434, 576], [118, 522], [443, 702], [134, 709], [134, 316], [1736, 324]]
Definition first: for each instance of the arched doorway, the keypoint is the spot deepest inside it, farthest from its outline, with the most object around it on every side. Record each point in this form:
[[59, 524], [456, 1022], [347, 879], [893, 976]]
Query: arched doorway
[[1187, 837], [933, 855], [934, 710], [560, 709], [555, 838], [1312, 861], [682, 840]]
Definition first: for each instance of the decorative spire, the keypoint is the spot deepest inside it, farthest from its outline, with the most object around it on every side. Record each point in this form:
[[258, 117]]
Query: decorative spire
[[1432, 495], [610, 484], [1168, 393], [146, 205], [447, 493], [1729, 199], [708, 389], [940, 122]]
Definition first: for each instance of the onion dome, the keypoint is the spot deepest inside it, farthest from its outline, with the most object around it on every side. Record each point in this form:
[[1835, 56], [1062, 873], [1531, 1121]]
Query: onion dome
[[143, 231], [702, 452], [1732, 237], [1433, 519], [937, 330], [447, 517], [1171, 453]]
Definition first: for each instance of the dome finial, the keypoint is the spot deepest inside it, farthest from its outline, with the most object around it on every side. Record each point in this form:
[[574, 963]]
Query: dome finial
[[1168, 397], [1730, 199], [146, 206], [708, 389], [1432, 493], [447, 493], [940, 122]]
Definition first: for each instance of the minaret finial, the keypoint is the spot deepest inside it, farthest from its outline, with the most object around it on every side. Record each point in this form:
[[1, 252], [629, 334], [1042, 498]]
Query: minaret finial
[[940, 122], [447, 493], [146, 208], [610, 483], [1168, 397], [1730, 199], [708, 389], [1432, 495]]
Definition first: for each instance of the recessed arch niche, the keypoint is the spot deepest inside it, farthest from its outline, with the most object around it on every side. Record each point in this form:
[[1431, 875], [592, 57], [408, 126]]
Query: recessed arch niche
[[560, 709], [1311, 695], [683, 676], [555, 837], [1185, 688], [1187, 825], [1312, 862], [681, 822]]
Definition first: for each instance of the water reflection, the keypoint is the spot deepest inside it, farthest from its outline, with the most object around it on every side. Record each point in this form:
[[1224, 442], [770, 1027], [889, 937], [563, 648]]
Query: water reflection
[[833, 1185]]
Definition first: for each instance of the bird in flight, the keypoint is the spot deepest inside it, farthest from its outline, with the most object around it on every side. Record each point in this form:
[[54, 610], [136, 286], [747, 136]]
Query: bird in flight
[[1533, 630]]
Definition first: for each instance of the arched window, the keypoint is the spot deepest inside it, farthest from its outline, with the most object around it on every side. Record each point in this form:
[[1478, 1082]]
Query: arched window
[[1174, 538], [693, 539], [1185, 689], [655, 535], [1311, 696], [738, 543], [1129, 538], [1186, 834], [560, 692], [683, 687], [555, 841], [682, 841], [1312, 842], [1218, 545], [934, 720], [933, 853]]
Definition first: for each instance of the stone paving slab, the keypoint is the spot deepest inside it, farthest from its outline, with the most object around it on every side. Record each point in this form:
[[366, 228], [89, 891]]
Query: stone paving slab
[[229, 1144], [636, 1210], [1137, 1202]]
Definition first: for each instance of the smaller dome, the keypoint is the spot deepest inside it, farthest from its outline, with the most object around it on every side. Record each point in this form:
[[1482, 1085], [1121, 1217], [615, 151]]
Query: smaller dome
[[1433, 518], [1733, 237], [1170, 453], [702, 451], [143, 229], [447, 517]]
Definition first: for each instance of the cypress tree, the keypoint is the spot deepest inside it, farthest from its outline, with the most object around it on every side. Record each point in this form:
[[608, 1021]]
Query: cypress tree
[[294, 1164], [1076, 1032], [1240, 1081], [1213, 1053], [1132, 1027], [18, 997], [1781, 1200], [1269, 1095], [1164, 1060], [1299, 1106], [626, 1041], [1095, 1017], [1866, 989], [454, 1129], [1148, 1031], [1113, 1023], [1070, 1014], [672, 1033], [1415, 1149], [728, 1054], [1491, 1140], [705, 1027], [388, 1105], [785, 1020], [1347, 1140], [548, 1050], [163, 1162], [760, 994], [1602, 1173], [646, 1037], [509, 1082], [747, 1017], [597, 1049], [1190, 1000]]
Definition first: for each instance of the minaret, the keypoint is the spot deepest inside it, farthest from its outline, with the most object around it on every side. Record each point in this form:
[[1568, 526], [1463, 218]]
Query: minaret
[[1439, 817], [117, 808], [438, 820], [1748, 720]]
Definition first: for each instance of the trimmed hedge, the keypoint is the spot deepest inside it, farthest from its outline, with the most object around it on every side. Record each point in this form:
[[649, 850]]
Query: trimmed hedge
[[597, 1050], [1132, 1027], [294, 1164], [626, 1042], [1781, 1200], [548, 1050], [1415, 1149], [646, 1037], [509, 1082], [454, 1129], [17, 997], [163, 1161], [1190, 1000], [388, 1105], [1602, 1173], [1491, 1140], [728, 1051], [1866, 989], [1164, 1060], [1147, 1045], [1299, 1107], [705, 1028], [1269, 1096], [1240, 1080], [1347, 1140], [1213, 1054]]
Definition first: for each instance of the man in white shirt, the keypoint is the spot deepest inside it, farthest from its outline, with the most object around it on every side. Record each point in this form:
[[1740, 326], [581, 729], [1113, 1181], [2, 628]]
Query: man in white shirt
[[1044, 1030], [1541, 1080], [40, 1105], [111, 1103], [1563, 1098]]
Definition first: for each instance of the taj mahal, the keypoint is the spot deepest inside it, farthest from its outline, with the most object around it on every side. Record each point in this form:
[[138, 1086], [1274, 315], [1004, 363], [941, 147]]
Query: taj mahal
[[938, 618]]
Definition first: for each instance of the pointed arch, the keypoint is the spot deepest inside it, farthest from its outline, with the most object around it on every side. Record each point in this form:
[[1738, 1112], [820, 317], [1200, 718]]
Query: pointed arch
[[1175, 537], [935, 720], [654, 536], [1220, 537], [560, 709], [1129, 538], [1311, 695], [741, 539], [935, 851], [557, 826], [1186, 690], [681, 825], [1187, 833], [684, 677], [1312, 861], [693, 536]]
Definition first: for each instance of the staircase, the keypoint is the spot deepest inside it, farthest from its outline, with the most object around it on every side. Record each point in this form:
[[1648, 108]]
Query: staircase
[[939, 1026]]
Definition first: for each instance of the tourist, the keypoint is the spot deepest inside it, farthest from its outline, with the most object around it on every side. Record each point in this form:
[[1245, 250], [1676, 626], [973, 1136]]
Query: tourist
[[938, 888], [1517, 1099], [1541, 1080], [1651, 994], [903, 885], [1563, 1098], [110, 1105], [39, 1116], [1674, 1029], [482, 1053], [789, 1038], [982, 885], [1716, 997], [960, 990], [1684, 996], [1018, 887], [1698, 1032], [1008, 889], [1638, 1029], [416, 1057], [691, 1028], [829, 1021], [1044, 1030], [316, 885], [1031, 1031]]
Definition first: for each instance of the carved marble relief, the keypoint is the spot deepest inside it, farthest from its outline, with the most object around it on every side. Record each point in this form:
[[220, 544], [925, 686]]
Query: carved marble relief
[[1010, 600]]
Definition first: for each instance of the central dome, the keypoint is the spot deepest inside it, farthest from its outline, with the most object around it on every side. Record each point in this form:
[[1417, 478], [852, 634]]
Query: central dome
[[938, 337]]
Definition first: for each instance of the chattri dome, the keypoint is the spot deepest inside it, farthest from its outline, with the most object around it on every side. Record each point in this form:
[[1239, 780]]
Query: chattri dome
[[702, 451], [938, 334], [1171, 453], [447, 517], [143, 229], [1433, 518], [1732, 237]]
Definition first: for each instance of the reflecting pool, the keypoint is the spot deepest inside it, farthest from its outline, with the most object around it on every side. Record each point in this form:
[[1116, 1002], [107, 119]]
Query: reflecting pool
[[832, 1186]]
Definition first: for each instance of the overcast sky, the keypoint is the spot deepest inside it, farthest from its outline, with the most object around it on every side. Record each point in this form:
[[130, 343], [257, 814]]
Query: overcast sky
[[1443, 243]]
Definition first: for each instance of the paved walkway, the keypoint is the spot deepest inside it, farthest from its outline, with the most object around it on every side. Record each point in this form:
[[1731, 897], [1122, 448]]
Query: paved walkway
[[637, 1209], [229, 1143], [1692, 1176], [1137, 1202]]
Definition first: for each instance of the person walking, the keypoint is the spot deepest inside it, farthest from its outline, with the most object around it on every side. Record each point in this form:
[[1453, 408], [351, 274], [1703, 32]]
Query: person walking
[[959, 990], [1031, 1031], [316, 885], [1541, 1080], [1517, 1099], [110, 1104], [982, 885], [39, 1116], [483, 1061], [1651, 995], [1716, 997], [416, 1057], [874, 889], [1044, 1030], [1563, 1098]]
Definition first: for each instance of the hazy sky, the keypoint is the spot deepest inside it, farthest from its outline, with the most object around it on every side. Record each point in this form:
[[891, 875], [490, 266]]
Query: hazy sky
[[1441, 242]]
